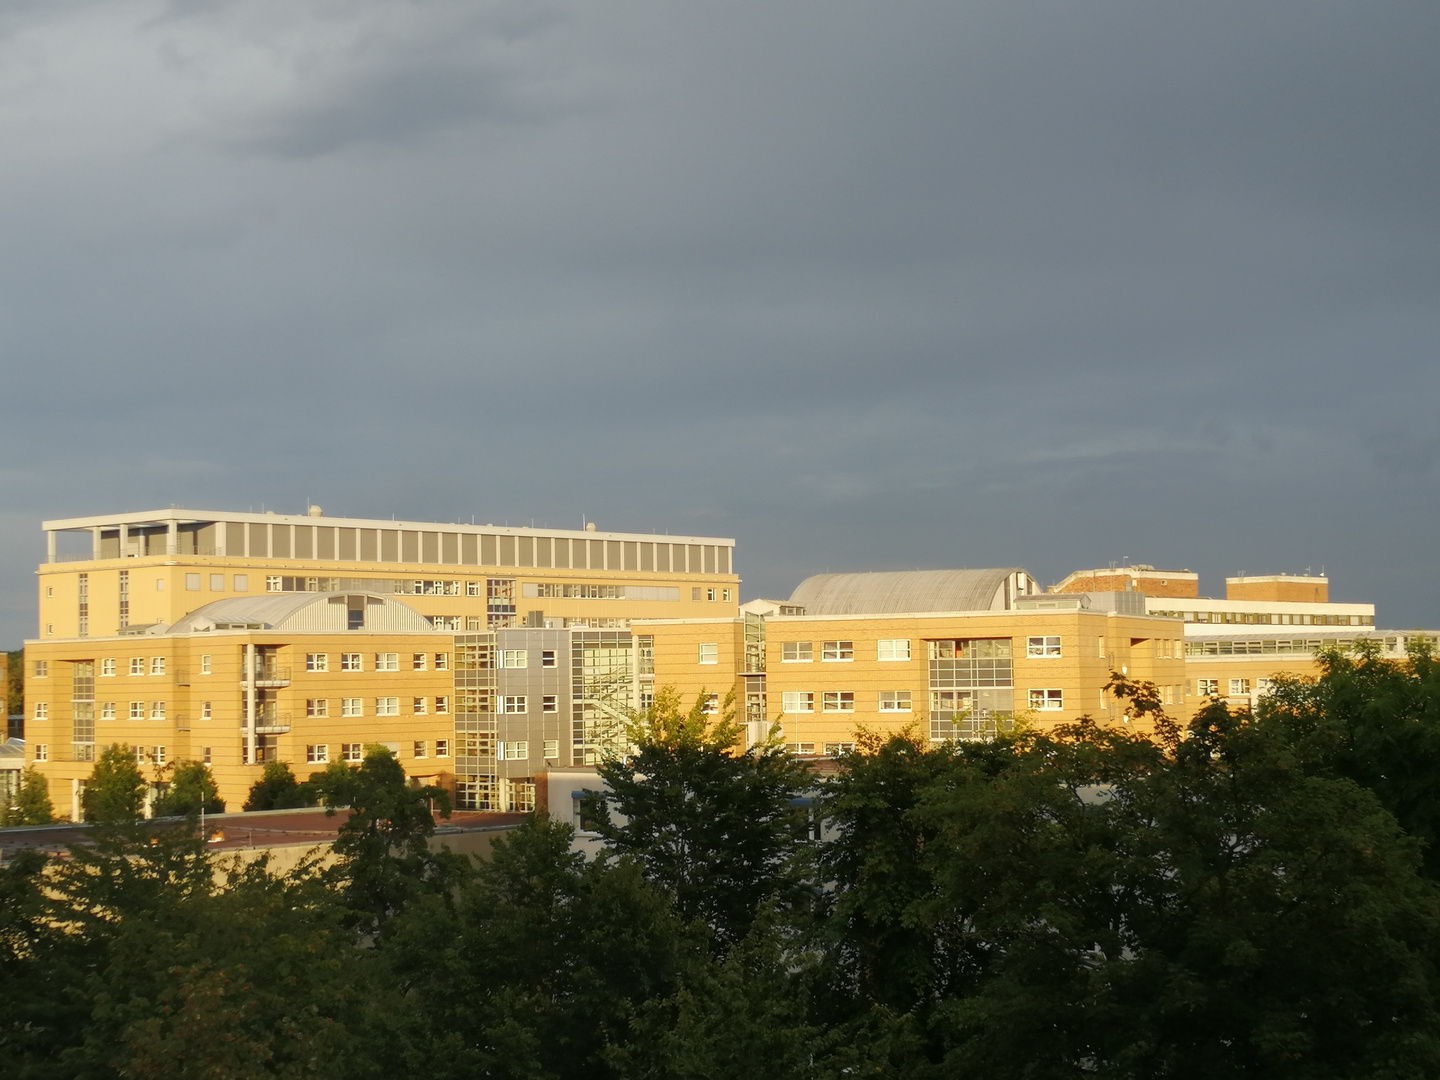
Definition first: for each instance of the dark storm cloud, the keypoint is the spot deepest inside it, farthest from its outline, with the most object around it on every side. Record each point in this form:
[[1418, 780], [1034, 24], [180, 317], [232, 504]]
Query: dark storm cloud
[[861, 285]]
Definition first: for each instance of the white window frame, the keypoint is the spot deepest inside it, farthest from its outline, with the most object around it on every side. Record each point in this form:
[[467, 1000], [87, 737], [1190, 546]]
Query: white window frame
[[519, 750], [317, 661], [318, 707], [442, 661], [709, 652], [896, 701], [157, 665], [352, 752], [387, 706], [837, 701], [387, 661], [837, 652], [1042, 646], [548, 703], [352, 706], [442, 705], [797, 702], [352, 661], [157, 710], [107, 667], [711, 705], [514, 658], [205, 668], [42, 710], [1207, 687], [1047, 699], [442, 747], [797, 652], [421, 749], [513, 704], [317, 754], [419, 661], [137, 710], [892, 650], [420, 706], [107, 710], [137, 665]]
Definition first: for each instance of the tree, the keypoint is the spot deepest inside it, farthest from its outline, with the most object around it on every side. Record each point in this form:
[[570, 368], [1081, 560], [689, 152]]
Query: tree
[[1375, 721], [720, 829], [115, 792], [191, 789], [32, 802], [538, 969], [15, 682], [384, 844], [277, 789]]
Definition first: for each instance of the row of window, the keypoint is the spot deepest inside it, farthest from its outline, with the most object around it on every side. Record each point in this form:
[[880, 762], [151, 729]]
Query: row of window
[[217, 583], [384, 706], [156, 754], [385, 661], [843, 701], [896, 649], [353, 752]]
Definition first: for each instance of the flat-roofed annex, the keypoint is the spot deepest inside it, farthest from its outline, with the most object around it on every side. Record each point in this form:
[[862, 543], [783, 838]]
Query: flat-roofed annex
[[178, 531]]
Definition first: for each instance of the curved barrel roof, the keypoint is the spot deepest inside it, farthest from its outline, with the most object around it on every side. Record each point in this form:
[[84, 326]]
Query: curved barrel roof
[[314, 611], [901, 591]]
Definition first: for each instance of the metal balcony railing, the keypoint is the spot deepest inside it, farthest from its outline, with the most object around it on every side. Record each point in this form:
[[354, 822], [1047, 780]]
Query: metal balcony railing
[[271, 675]]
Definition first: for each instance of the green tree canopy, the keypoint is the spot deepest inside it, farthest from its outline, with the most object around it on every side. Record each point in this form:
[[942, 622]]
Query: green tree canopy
[[115, 792], [278, 789], [32, 804], [719, 828], [191, 789]]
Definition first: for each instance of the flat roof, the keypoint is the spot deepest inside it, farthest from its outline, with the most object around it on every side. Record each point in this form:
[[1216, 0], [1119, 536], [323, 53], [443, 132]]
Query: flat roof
[[191, 517]]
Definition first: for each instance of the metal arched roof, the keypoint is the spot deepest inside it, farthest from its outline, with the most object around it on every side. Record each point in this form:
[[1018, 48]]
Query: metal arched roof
[[302, 611], [901, 591]]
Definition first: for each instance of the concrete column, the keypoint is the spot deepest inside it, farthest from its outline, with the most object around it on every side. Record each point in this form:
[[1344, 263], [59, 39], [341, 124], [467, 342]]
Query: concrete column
[[124, 539], [172, 538], [50, 545], [95, 543]]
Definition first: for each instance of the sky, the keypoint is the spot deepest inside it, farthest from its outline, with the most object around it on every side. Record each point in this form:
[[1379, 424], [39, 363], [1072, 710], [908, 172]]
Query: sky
[[864, 286]]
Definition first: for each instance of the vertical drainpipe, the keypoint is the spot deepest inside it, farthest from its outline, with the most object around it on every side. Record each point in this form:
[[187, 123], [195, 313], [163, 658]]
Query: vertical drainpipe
[[248, 722]]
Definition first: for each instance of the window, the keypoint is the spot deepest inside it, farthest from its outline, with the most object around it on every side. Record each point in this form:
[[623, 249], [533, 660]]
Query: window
[[1169, 695], [442, 660], [137, 665], [1043, 646], [838, 701], [725, 595], [837, 650], [514, 658], [42, 710], [42, 668], [895, 701], [710, 595], [547, 658], [442, 747], [107, 666], [894, 648], [318, 661], [419, 661], [273, 584], [387, 706], [217, 582], [317, 706], [318, 754], [350, 751], [205, 710], [474, 588], [387, 661], [157, 665], [350, 661], [797, 701], [205, 754], [192, 582], [205, 664], [1047, 700], [137, 710], [242, 582], [1239, 686], [42, 752], [711, 704], [139, 755], [442, 705], [1101, 646], [517, 751], [420, 706], [160, 584], [157, 710], [796, 652], [710, 653], [1207, 687], [447, 622], [834, 749], [422, 748], [547, 704], [515, 704], [107, 710], [552, 749], [157, 753], [351, 706], [695, 594]]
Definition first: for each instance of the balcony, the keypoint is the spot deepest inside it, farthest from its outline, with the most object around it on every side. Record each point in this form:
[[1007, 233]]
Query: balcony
[[271, 722], [271, 676]]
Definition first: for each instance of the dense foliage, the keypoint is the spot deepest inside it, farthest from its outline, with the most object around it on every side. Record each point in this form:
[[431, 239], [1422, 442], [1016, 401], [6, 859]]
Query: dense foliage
[[1245, 896]]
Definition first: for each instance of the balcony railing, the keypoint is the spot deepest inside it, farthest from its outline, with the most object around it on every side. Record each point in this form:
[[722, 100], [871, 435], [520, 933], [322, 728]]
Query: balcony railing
[[272, 723], [269, 676]]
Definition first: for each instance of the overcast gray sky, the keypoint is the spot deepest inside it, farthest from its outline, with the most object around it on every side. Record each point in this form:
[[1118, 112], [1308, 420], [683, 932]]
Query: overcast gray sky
[[865, 286]]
